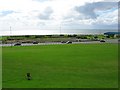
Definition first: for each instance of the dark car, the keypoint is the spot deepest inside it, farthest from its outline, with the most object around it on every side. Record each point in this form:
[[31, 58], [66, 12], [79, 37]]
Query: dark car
[[102, 40], [35, 42], [69, 42], [63, 41], [17, 44]]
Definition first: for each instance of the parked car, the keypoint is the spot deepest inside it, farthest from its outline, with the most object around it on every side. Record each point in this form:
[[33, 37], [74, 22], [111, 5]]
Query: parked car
[[35, 42], [102, 40], [69, 42], [17, 44], [63, 41]]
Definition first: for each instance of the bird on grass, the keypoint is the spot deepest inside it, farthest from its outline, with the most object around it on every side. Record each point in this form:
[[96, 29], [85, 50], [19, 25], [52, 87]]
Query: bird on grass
[[28, 75]]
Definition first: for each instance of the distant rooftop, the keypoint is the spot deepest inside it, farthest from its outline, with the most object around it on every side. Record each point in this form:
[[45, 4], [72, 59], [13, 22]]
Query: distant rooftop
[[111, 33]]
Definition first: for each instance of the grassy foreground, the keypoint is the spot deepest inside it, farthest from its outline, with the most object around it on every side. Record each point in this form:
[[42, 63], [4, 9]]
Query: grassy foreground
[[61, 66]]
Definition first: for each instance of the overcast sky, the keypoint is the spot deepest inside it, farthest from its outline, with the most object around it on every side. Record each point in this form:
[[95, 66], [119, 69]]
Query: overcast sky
[[31, 16]]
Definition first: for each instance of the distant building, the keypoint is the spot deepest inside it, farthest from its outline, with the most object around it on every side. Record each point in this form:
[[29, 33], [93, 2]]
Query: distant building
[[113, 34]]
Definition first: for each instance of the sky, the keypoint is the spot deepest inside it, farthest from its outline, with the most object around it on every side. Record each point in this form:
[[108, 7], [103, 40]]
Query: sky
[[30, 17]]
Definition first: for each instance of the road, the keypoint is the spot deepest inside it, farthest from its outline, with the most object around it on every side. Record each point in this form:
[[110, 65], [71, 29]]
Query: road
[[52, 43]]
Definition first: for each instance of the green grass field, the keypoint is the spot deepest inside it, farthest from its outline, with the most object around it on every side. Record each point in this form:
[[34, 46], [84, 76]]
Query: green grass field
[[61, 66]]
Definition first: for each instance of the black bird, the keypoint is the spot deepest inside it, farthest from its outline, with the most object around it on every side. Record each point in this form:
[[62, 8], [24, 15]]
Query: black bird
[[28, 76]]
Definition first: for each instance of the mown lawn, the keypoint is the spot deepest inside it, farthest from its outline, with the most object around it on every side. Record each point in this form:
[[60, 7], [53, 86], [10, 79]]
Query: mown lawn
[[61, 66]]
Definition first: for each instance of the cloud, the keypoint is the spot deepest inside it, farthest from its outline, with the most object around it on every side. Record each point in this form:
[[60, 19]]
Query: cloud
[[6, 12], [42, 0], [100, 15], [90, 9], [111, 0], [49, 14], [46, 14]]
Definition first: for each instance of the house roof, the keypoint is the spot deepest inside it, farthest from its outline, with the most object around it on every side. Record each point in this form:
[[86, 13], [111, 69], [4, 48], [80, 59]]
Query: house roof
[[111, 33]]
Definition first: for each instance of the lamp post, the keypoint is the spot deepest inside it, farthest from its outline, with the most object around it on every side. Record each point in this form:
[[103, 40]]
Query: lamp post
[[11, 34], [61, 27]]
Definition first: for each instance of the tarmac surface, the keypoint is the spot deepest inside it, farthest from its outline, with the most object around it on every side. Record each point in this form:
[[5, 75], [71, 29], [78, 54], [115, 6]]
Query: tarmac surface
[[52, 43]]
